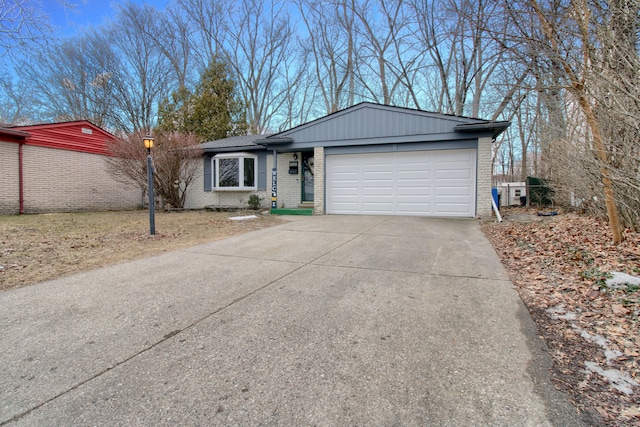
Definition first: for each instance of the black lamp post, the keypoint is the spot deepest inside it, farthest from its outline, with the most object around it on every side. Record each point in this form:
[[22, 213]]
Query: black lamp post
[[148, 143]]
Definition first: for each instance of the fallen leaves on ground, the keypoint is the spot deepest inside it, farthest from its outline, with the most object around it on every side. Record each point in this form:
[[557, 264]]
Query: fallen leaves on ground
[[560, 265]]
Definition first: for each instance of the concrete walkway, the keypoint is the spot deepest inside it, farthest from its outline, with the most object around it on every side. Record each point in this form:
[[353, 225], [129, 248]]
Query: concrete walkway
[[325, 321]]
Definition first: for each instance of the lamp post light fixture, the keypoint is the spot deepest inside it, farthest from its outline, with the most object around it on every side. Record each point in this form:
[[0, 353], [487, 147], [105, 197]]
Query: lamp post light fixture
[[148, 143]]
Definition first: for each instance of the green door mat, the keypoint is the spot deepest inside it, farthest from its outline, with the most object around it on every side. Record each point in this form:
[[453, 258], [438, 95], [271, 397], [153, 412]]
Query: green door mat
[[292, 211]]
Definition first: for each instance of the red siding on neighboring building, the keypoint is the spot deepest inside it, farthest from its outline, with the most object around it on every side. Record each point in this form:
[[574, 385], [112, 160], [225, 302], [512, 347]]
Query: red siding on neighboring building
[[59, 167], [12, 135], [80, 136]]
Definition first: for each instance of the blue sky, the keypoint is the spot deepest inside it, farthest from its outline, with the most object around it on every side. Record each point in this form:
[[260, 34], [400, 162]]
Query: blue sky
[[70, 16]]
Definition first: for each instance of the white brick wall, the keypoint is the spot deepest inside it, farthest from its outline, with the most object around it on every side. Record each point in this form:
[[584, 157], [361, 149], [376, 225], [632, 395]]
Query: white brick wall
[[68, 181], [318, 183], [197, 198], [63, 181], [289, 186], [9, 175], [483, 209]]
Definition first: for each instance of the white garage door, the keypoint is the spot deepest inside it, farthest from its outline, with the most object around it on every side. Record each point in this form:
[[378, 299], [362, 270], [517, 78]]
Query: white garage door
[[422, 183]]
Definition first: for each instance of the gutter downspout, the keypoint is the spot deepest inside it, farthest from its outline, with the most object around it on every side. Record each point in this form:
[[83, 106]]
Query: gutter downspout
[[21, 177], [495, 209]]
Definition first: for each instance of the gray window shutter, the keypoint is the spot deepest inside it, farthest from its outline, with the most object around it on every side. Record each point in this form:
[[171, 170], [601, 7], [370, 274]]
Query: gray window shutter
[[207, 173], [262, 171]]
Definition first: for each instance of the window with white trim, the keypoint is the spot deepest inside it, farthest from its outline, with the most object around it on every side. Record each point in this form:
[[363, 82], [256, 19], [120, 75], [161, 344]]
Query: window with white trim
[[235, 171]]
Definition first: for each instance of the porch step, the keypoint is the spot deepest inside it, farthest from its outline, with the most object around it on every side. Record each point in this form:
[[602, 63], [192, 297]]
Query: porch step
[[292, 211], [306, 205]]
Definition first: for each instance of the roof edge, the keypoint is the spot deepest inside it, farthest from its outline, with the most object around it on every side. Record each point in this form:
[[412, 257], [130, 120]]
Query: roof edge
[[231, 149], [274, 141], [14, 133], [496, 127]]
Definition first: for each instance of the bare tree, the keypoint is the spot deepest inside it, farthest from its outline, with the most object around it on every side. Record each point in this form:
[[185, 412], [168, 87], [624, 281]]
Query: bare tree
[[615, 87], [208, 21], [578, 49], [385, 60], [21, 25], [332, 45], [144, 72], [16, 102], [257, 42], [298, 106], [73, 80], [22, 28], [172, 35], [173, 155], [525, 119]]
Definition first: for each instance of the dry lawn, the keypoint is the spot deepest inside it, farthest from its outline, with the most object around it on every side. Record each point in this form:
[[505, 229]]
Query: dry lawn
[[37, 248]]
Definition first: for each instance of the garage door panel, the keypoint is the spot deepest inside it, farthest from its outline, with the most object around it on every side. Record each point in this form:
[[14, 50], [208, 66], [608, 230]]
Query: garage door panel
[[377, 178], [413, 175], [345, 179], [455, 155], [426, 183], [342, 193], [420, 204], [345, 186], [376, 208], [372, 169], [343, 211], [448, 208], [376, 200], [412, 183], [417, 192], [415, 209], [464, 174], [377, 192], [376, 168], [451, 191]]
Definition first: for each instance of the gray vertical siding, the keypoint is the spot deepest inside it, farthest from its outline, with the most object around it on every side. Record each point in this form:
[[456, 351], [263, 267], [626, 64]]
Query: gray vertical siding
[[262, 171], [372, 121], [208, 173]]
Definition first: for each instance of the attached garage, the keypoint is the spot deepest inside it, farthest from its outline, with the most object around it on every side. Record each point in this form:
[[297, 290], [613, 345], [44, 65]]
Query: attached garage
[[373, 159], [416, 183]]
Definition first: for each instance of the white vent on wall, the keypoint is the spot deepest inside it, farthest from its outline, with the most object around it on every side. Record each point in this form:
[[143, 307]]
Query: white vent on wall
[[87, 131]]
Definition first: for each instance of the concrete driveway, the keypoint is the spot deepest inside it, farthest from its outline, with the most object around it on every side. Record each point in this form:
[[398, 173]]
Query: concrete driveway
[[327, 320]]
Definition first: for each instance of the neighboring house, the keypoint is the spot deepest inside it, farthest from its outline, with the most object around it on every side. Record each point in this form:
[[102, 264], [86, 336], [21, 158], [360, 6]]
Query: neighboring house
[[511, 192], [59, 167], [368, 159]]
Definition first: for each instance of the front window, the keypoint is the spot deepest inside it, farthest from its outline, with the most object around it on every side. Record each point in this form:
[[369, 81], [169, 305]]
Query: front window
[[234, 171]]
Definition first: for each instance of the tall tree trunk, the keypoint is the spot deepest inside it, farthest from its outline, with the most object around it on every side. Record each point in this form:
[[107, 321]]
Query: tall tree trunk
[[609, 197], [577, 87]]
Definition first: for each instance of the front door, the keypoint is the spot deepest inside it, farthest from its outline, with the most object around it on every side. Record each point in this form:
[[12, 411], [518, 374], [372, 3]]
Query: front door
[[307, 177]]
